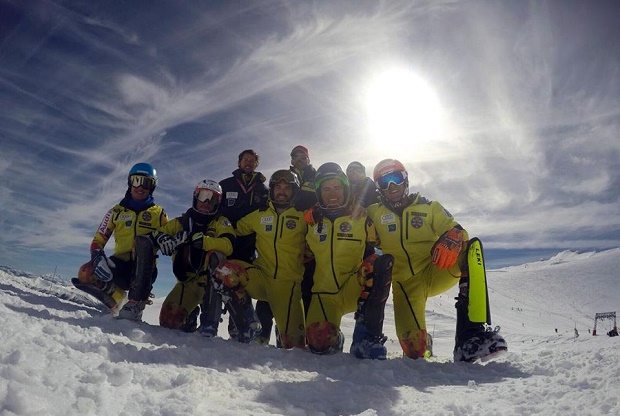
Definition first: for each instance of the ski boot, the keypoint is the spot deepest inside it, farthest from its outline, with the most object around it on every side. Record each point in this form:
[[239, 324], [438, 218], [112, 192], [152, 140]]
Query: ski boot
[[132, 311], [475, 338], [367, 345], [479, 345]]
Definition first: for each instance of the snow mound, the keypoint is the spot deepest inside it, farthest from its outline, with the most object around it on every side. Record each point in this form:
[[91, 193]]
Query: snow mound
[[61, 355]]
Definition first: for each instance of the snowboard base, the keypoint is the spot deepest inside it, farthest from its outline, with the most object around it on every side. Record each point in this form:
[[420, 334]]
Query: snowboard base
[[113, 302]]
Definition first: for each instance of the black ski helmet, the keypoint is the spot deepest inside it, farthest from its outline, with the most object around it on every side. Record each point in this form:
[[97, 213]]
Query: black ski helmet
[[287, 176]]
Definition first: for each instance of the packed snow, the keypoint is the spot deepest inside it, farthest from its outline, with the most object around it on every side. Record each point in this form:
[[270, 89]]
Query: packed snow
[[62, 355]]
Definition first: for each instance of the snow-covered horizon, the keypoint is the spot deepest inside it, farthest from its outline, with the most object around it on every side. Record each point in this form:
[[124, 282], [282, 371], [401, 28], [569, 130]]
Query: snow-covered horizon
[[61, 355]]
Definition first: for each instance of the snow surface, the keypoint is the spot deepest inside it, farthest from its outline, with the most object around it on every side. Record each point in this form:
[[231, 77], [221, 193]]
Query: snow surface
[[60, 355]]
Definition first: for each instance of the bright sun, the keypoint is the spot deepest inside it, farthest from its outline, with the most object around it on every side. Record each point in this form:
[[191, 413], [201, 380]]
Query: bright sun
[[404, 109]]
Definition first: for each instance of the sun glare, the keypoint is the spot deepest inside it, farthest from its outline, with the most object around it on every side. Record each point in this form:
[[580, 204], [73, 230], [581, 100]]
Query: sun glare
[[403, 109]]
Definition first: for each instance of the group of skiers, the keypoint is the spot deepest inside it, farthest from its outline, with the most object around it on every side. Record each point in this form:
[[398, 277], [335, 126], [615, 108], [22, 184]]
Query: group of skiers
[[303, 246]]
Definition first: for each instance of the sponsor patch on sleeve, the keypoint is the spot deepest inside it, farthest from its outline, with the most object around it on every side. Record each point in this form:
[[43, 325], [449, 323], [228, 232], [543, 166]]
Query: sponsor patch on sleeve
[[104, 224]]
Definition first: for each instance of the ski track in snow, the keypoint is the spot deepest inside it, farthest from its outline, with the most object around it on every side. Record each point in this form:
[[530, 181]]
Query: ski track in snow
[[62, 355]]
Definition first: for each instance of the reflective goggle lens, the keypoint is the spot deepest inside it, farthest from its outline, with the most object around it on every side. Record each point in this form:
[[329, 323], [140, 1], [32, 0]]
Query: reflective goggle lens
[[141, 181], [396, 177], [283, 176], [207, 196]]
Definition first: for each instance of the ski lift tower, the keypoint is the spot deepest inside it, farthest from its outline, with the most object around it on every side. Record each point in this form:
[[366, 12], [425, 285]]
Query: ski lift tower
[[602, 316]]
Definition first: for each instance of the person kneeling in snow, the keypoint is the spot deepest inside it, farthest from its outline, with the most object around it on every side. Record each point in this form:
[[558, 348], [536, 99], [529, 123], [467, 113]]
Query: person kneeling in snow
[[108, 278], [344, 281], [432, 252], [198, 241]]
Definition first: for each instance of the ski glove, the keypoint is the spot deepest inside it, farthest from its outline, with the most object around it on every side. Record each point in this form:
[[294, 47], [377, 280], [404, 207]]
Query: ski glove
[[446, 250], [167, 243], [102, 266]]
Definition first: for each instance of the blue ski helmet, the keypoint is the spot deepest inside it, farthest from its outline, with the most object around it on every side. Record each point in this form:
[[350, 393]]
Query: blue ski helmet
[[139, 172]]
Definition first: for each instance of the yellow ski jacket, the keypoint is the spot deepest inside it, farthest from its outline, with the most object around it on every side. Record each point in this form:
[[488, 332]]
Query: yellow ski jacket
[[410, 236], [126, 224], [280, 241], [338, 248]]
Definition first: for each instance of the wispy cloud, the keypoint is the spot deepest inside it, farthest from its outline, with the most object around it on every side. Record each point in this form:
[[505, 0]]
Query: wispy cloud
[[529, 95]]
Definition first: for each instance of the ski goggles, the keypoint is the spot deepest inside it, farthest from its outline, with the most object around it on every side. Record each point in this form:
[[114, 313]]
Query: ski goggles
[[142, 181], [284, 176], [396, 177], [208, 196], [355, 168]]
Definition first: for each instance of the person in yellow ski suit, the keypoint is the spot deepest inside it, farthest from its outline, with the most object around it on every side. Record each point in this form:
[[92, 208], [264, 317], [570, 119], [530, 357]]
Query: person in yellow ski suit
[[275, 276], [430, 252], [344, 281], [136, 214]]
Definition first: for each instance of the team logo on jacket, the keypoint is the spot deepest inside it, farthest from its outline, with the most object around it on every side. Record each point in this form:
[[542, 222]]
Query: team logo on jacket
[[345, 227], [268, 227], [417, 222], [387, 218], [146, 216], [391, 228], [291, 224], [266, 220]]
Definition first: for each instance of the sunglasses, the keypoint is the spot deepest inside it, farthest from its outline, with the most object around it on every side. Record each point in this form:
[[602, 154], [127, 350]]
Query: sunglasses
[[208, 196], [299, 156], [142, 181], [396, 177]]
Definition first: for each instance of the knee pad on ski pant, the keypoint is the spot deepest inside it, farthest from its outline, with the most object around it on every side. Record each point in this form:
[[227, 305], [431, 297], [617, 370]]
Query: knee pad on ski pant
[[232, 274], [172, 315], [413, 343], [323, 337], [180, 302]]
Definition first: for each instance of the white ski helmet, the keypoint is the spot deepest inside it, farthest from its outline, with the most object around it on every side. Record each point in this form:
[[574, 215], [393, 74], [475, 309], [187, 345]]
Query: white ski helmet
[[210, 192]]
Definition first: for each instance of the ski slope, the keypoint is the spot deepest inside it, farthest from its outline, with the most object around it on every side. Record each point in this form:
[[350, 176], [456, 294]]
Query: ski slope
[[60, 355]]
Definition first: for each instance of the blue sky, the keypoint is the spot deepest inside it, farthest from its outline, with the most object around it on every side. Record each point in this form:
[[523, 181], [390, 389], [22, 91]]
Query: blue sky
[[508, 113]]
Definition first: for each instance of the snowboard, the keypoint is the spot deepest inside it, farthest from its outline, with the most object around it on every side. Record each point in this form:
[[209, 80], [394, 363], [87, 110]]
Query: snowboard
[[108, 300]]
